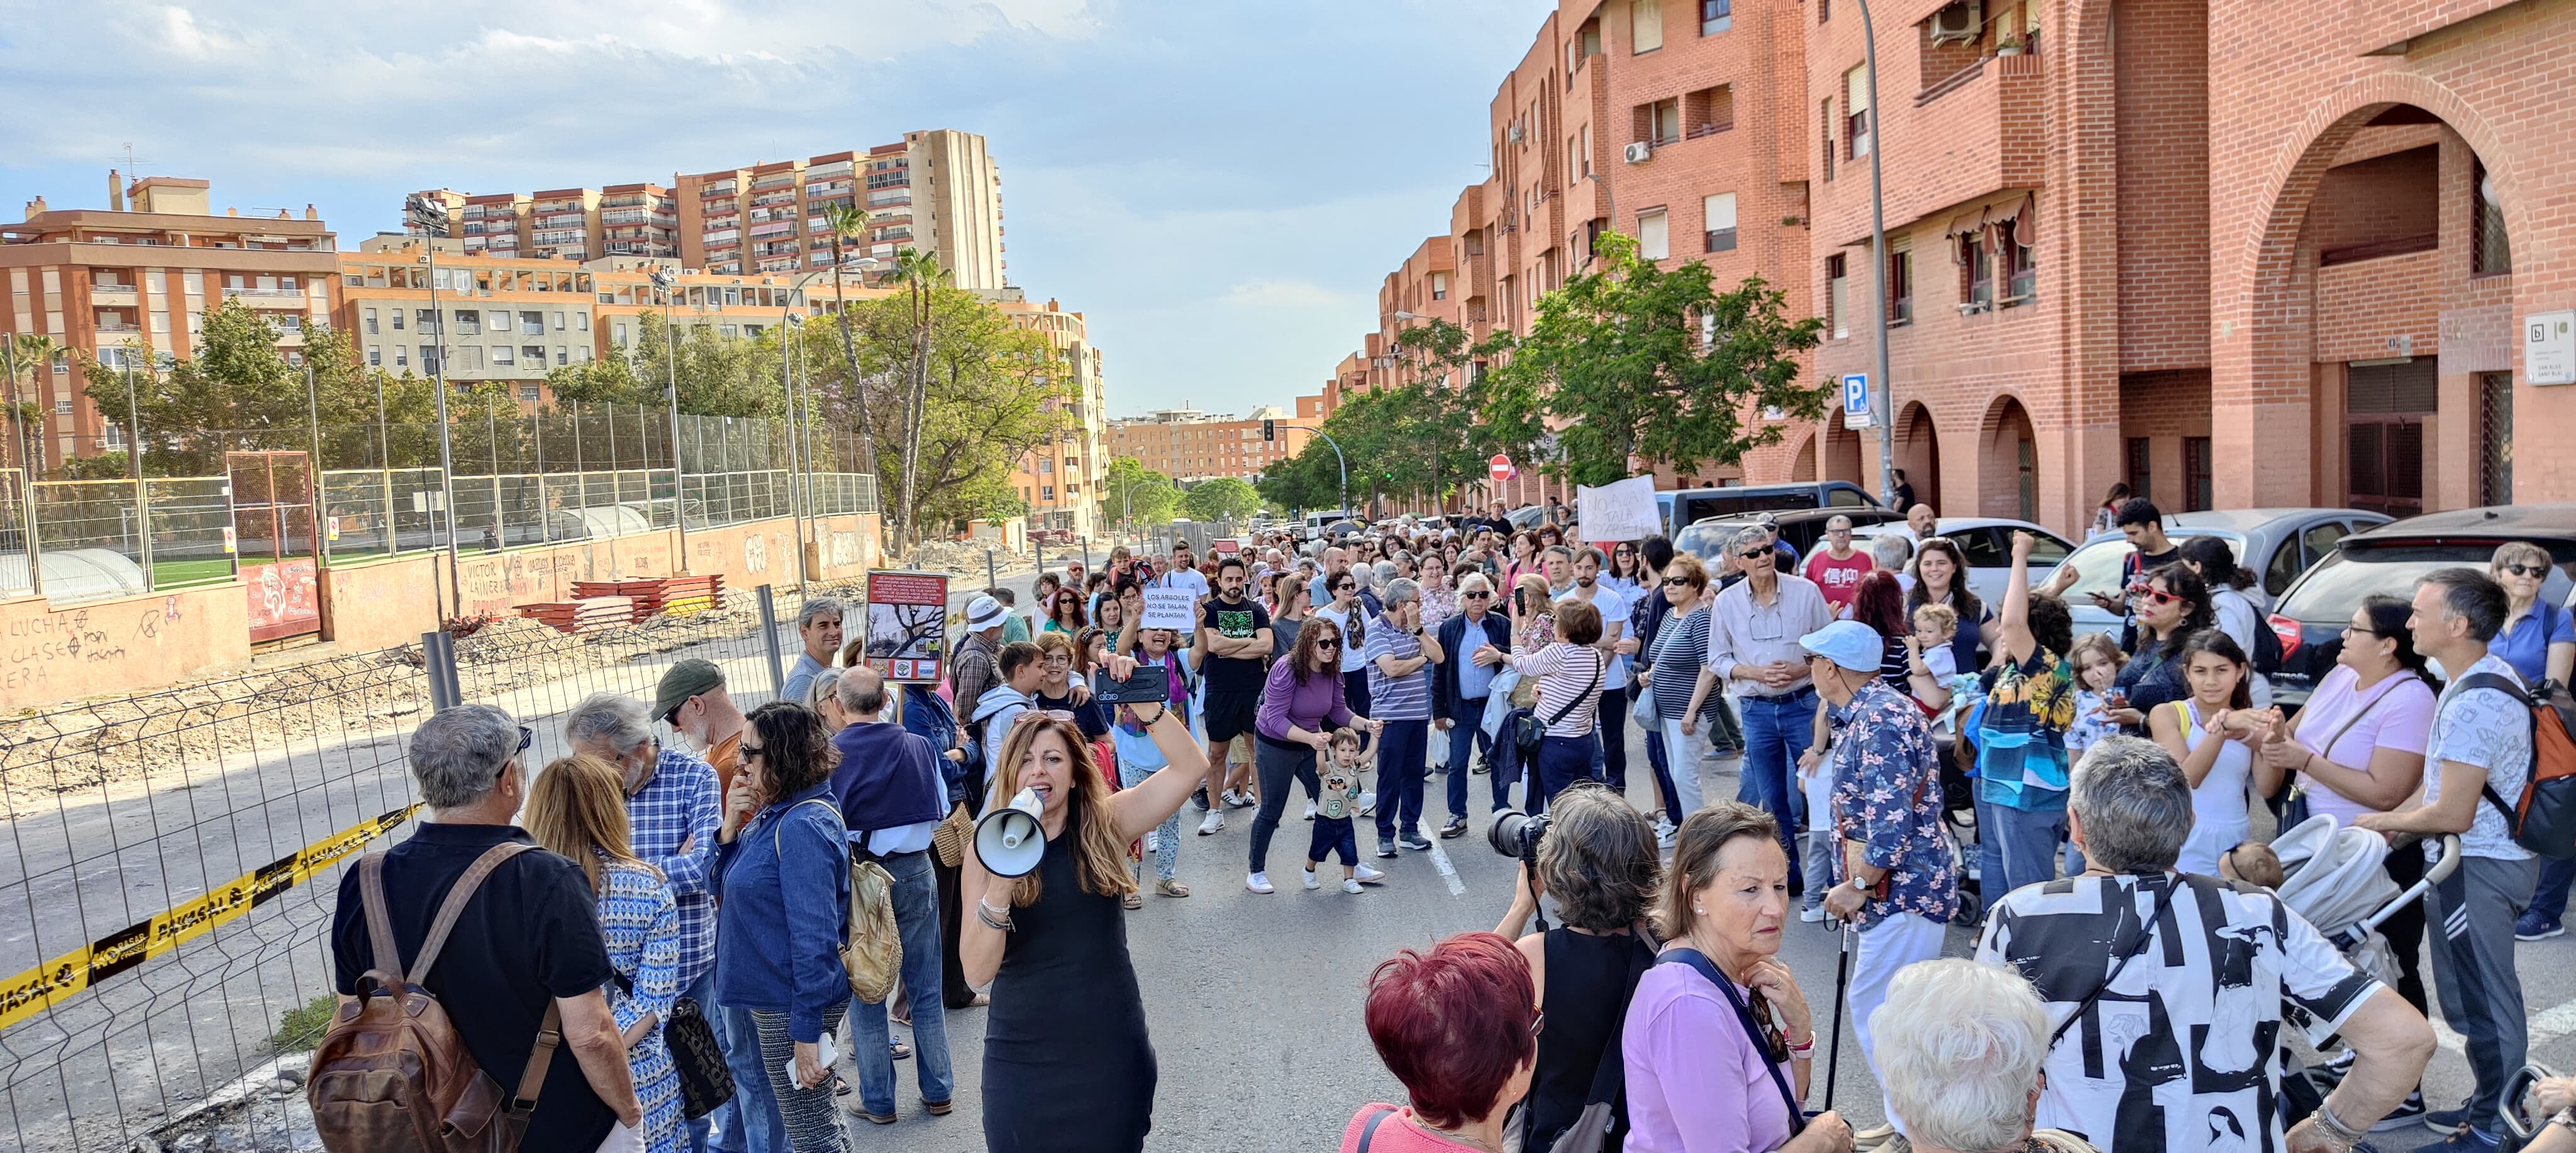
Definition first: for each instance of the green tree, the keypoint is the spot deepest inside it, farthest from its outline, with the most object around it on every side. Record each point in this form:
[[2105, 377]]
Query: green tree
[[1631, 363], [1223, 498], [1137, 495], [844, 223]]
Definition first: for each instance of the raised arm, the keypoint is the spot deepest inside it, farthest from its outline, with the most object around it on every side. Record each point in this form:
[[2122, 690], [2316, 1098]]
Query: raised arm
[[2017, 638], [1150, 803]]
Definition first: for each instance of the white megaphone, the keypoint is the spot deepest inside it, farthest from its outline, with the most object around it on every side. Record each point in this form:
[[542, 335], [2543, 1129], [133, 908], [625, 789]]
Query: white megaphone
[[1008, 840]]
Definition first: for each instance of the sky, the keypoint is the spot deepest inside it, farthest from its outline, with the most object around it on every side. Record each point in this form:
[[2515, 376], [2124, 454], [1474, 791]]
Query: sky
[[1219, 185]]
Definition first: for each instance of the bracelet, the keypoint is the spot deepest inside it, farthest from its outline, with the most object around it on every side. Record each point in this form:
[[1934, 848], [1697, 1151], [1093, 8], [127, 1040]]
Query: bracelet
[[2343, 1135], [1806, 1052], [992, 919]]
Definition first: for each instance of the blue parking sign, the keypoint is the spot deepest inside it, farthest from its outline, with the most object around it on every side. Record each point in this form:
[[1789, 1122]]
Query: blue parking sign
[[1856, 406]]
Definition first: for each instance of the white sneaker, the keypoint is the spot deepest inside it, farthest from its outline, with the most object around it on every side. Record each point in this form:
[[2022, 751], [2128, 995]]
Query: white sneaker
[[1310, 810], [1215, 820], [1245, 800], [1350, 885], [1311, 882], [1257, 882], [1365, 875], [1663, 827], [1368, 804], [1665, 837], [1812, 914]]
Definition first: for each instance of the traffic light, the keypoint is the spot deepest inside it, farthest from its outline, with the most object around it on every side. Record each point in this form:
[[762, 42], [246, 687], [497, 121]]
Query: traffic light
[[1269, 430]]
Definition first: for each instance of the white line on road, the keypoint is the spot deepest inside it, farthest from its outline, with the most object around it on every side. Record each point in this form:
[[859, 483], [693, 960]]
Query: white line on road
[[1448, 872]]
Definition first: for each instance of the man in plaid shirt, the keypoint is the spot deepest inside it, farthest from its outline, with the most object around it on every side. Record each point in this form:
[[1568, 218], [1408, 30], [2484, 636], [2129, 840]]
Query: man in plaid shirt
[[672, 811]]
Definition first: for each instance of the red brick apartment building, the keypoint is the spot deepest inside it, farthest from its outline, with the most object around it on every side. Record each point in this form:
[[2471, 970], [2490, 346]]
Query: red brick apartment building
[[2129, 239]]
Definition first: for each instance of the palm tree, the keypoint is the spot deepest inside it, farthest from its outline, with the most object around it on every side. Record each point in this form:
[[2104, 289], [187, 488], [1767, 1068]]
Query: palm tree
[[32, 353], [848, 222], [920, 273]]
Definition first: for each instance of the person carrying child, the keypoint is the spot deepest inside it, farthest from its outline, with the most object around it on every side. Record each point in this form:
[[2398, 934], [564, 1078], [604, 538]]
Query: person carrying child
[[1339, 766]]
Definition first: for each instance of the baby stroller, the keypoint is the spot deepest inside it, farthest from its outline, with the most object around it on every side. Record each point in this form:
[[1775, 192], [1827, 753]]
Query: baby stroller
[[2335, 878], [1959, 797]]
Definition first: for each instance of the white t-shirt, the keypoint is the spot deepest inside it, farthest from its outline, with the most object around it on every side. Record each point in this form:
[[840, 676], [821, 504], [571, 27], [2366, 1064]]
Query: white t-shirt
[[1191, 579], [1352, 660], [2486, 728]]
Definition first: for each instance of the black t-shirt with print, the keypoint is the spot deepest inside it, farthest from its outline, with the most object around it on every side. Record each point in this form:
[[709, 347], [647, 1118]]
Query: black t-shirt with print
[[1235, 620]]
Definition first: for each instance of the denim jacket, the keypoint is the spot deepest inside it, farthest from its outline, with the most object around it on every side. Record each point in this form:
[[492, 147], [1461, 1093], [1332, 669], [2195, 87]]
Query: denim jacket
[[785, 885]]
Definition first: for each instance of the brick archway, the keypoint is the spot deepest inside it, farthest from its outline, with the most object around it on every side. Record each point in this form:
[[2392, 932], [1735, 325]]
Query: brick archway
[[1803, 466], [1918, 452], [2008, 461], [2263, 374], [1839, 453]]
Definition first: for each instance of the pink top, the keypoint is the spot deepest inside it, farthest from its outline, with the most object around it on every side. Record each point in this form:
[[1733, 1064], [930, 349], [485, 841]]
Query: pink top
[[2396, 713], [1399, 1133], [1696, 1084]]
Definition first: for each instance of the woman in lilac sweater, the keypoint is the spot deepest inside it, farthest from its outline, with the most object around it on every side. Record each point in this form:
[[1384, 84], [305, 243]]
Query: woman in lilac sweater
[[1301, 705]]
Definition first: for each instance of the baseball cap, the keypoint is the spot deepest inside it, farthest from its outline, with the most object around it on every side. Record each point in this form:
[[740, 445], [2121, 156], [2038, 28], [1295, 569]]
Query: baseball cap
[[685, 679], [984, 612], [1851, 644]]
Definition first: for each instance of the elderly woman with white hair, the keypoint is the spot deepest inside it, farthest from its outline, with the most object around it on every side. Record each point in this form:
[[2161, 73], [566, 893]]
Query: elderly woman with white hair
[[1959, 1052], [2167, 990]]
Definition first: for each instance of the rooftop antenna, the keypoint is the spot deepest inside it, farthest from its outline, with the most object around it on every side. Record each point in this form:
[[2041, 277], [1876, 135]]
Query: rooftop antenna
[[133, 167]]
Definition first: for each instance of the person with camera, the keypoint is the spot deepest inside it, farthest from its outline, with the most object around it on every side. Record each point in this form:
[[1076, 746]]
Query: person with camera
[[1895, 876], [1597, 856], [1718, 1044], [1301, 704], [1067, 1062], [1569, 674]]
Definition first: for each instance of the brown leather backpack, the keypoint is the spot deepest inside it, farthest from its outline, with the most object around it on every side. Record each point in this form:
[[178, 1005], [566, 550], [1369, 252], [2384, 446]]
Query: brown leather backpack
[[391, 1074]]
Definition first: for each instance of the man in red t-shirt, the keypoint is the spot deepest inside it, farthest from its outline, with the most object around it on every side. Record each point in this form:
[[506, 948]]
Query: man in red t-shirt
[[1838, 567]]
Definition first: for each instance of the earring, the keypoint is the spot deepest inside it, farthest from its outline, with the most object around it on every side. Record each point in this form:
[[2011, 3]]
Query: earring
[[1699, 911]]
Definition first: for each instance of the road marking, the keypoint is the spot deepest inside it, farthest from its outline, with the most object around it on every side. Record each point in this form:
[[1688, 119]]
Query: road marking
[[1448, 872]]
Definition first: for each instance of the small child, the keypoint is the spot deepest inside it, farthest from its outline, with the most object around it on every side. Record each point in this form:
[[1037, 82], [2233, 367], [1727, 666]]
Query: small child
[[2097, 665], [2253, 863], [1340, 770], [1930, 663]]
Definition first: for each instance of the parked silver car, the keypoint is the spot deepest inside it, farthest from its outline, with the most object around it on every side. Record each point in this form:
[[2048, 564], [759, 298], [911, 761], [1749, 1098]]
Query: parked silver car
[[2277, 543], [1987, 543]]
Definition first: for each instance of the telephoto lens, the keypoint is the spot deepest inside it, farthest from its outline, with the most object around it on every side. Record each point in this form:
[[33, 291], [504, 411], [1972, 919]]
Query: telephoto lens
[[1516, 834]]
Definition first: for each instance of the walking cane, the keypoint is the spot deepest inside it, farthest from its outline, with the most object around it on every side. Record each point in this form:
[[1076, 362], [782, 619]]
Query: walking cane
[[1842, 987]]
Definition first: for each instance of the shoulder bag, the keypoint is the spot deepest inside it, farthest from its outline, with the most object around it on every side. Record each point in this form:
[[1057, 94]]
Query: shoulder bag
[[871, 947], [1752, 1029], [2293, 806]]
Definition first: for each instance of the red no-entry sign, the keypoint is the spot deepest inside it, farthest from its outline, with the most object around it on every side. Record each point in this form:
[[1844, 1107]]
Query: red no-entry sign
[[1501, 467]]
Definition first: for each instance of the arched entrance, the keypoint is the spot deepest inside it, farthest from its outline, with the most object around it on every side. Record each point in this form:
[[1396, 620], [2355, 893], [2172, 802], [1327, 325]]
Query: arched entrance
[[2008, 468], [1841, 457], [1803, 466], [2382, 332], [1918, 452]]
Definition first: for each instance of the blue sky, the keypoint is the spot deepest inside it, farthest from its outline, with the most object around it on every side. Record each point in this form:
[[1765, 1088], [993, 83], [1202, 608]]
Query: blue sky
[[1219, 184]]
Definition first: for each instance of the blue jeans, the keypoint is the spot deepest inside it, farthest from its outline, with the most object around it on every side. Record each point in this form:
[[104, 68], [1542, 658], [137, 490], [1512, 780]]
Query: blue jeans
[[1403, 759], [702, 1130], [916, 920], [1777, 731], [2550, 901], [757, 1127], [1466, 739], [1561, 762], [2027, 842]]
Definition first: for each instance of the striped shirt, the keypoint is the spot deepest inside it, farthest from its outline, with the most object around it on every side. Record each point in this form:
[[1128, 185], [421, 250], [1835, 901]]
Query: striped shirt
[[1675, 662], [679, 806], [1564, 670], [1404, 698]]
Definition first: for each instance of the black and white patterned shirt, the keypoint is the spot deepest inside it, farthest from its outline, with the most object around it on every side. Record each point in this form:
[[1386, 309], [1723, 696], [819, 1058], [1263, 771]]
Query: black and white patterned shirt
[[2180, 1055]]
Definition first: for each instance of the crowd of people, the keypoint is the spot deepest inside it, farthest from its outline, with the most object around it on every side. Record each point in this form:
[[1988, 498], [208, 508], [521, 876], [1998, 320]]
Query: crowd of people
[[709, 878]]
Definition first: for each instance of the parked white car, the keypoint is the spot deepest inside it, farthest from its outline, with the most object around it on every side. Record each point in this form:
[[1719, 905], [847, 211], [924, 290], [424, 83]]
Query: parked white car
[[1987, 543]]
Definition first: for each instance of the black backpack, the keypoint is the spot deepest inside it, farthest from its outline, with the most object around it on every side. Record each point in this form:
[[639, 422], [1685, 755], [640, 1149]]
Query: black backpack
[[2267, 653]]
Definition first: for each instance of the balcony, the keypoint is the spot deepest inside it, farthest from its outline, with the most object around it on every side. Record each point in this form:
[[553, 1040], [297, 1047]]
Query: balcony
[[782, 196], [118, 328], [113, 295], [721, 236], [1978, 131], [719, 188], [267, 297], [560, 220], [832, 188], [774, 228]]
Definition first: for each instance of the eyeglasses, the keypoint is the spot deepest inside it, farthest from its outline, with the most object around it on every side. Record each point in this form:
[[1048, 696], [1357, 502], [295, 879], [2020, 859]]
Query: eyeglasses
[[1343, 588], [1753, 554], [750, 750], [2364, 630], [2529, 570], [1329, 643], [1675, 581], [1538, 1021], [2159, 596], [527, 737], [1478, 596]]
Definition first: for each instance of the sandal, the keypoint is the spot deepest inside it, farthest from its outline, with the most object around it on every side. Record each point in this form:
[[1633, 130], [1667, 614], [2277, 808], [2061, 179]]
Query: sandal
[[1133, 901], [1171, 888], [899, 1049]]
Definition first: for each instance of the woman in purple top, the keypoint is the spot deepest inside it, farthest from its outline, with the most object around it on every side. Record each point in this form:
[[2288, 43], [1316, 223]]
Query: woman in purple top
[[1701, 1079], [1301, 705]]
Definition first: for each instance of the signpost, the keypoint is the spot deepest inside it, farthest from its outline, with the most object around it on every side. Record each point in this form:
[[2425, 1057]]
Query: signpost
[[1500, 468], [2549, 348], [1857, 412]]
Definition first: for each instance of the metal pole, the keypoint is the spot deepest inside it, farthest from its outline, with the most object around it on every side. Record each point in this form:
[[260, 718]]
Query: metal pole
[[1883, 399], [26, 473], [991, 579], [312, 470], [537, 428], [795, 475], [134, 453], [679, 475], [769, 642], [438, 653], [446, 450]]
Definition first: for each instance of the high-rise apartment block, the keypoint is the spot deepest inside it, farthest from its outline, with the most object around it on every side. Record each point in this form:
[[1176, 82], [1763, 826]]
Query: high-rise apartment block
[[2119, 249], [1189, 445], [935, 190]]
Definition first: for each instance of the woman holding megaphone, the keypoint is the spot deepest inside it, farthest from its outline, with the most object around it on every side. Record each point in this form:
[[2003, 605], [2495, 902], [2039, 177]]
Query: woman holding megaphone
[[1067, 1064]]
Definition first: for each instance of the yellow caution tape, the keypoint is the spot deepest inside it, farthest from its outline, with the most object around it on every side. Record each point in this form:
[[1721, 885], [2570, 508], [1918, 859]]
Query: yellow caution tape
[[37, 989]]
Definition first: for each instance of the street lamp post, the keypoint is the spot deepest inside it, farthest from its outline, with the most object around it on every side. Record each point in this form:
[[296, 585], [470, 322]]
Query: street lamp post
[[1883, 400], [446, 450], [668, 281]]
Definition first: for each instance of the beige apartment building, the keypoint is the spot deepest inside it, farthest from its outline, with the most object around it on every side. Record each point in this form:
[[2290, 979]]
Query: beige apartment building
[[936, 190], [1061, 482], [1189, 445]]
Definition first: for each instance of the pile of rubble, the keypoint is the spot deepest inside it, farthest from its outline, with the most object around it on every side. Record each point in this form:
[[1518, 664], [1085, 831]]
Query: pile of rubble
[[963, 558]]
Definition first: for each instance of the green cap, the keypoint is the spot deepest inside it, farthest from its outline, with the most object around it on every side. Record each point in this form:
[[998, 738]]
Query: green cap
[[686, 679]]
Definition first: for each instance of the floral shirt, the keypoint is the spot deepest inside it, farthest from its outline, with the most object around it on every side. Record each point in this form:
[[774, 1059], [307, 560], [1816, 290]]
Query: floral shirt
[[2021, 733], [1887, 795], [1438, 604]]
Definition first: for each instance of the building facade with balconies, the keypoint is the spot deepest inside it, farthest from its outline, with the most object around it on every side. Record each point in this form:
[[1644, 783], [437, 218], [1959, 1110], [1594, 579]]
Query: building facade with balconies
[[1189, 445], [134, 283]]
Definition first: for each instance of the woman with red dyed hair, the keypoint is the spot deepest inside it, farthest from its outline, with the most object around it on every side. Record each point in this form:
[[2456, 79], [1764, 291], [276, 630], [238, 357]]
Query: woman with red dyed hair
[[1459, 1026]]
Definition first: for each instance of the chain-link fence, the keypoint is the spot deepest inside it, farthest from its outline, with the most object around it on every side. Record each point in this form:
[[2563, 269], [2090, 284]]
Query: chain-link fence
[[176, 856]]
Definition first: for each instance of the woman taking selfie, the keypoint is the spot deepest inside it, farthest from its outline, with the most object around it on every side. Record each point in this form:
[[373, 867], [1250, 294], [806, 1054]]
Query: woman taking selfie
[[1067, 1063], [1718, 1042], [783, 875]]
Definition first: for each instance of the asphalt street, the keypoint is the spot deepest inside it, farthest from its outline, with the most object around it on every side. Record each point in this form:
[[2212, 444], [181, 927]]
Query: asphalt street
[[1255, 1002]]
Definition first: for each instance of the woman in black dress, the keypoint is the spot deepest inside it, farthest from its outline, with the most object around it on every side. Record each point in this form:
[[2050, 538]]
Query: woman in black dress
[[1067, 1064]]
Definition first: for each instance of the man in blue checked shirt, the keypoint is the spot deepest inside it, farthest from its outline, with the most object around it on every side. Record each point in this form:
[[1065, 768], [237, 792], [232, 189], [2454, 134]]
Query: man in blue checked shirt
[[671, 811]]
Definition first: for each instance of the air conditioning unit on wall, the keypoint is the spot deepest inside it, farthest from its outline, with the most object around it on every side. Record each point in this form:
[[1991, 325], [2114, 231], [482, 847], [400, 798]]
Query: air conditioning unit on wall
[[1640, 152], [1957, 21]]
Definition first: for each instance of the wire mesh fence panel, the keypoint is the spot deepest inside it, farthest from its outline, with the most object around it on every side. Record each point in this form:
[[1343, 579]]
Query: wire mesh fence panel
[[89, 539], [211, 825], [357, 514], [190, 518], [841, 493], [13, 533]]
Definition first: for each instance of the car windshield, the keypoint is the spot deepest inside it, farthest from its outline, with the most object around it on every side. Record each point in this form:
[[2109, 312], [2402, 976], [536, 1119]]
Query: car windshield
[[2100, 562], [1705, 539]]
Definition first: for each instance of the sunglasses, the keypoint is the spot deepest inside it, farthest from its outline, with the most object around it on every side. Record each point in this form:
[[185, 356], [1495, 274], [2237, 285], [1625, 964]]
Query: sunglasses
[[751, 751], [1476, 596], [527, 737], [1675, 582], [1755, 554], [1329, 643], [1343, 588], [2159, 596], [2529, 570]]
